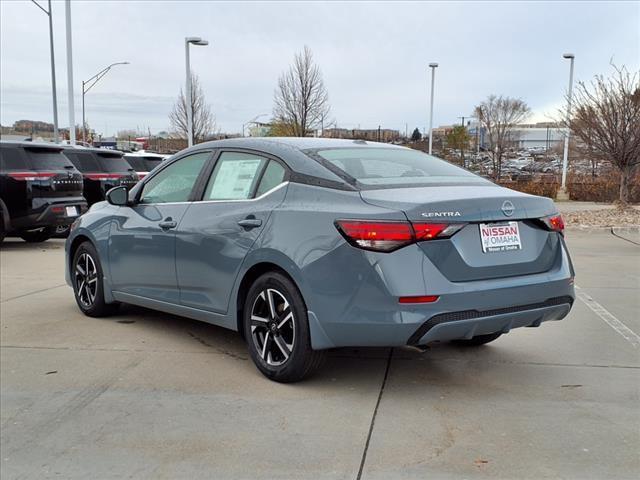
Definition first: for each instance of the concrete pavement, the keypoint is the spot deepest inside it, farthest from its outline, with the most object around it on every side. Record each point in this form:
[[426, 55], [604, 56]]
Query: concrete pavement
[[149, 395]]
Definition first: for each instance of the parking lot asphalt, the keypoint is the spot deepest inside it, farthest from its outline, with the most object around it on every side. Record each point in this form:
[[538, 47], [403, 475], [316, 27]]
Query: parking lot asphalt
[[149, 395]]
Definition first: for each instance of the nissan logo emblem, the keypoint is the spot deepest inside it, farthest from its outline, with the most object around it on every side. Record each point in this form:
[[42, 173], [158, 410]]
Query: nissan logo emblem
[[508, 208]]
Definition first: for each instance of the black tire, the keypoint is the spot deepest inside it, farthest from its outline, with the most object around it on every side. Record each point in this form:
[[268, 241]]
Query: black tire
[[62, 231], [88, 285], [478, 340], [37, 236], [270, 338]]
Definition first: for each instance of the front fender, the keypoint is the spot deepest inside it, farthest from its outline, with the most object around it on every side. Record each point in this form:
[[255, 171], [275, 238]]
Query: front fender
[[94, 226]]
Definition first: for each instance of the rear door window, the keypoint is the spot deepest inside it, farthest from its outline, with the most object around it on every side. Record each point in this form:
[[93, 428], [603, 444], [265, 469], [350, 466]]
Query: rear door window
[[234, 176], [272, 177], [12, 158]]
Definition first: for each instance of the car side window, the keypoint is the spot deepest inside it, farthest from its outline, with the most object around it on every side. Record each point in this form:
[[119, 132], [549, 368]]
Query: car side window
[[175, 182], [234, 176], [272, 177]]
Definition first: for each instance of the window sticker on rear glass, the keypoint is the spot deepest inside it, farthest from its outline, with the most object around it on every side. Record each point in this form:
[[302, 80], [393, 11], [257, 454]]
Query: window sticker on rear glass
[[500, 237]]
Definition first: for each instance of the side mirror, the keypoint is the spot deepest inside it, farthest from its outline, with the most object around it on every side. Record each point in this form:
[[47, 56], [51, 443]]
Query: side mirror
[[118, 196]]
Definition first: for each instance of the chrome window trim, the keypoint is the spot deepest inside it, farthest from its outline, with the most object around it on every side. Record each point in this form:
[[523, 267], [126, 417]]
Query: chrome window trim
[[268, 192]]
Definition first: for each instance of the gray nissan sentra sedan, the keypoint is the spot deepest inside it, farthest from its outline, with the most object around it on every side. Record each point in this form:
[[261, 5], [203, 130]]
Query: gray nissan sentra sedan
[[305, 244]]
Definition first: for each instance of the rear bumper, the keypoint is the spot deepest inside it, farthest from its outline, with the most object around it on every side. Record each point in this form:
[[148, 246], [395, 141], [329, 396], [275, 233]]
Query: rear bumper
[[469, 323], [51, 215], [372, 315]]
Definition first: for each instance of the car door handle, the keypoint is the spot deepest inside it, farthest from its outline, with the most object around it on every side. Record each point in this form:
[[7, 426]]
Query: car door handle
[[249, 223], [168, 224]]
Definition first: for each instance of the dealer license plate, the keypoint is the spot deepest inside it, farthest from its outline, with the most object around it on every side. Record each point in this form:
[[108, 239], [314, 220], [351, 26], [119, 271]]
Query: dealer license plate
[[500, 237], [72, 211]]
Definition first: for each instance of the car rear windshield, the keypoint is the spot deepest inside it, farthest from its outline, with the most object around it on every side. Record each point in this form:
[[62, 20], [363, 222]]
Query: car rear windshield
[[388, 167], [142, 163], [113, 163], [84, 161], [47, 159]]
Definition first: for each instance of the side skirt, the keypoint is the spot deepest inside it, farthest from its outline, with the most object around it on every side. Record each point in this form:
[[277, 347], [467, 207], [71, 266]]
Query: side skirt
[[180, 310]]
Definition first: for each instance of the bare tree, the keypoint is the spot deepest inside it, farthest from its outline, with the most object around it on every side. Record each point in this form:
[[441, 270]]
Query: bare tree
[[606, 120], [204, 122], [301, 101], [498, 116]]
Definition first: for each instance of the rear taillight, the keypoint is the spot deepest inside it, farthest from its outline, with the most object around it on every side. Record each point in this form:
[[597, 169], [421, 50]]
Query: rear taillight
[[387, 236], [31, 176], [103, 176], [554, 223]]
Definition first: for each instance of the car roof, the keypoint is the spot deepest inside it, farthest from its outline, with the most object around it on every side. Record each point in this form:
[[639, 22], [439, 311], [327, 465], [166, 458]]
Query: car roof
[[144, 154], [292, 150], [108, 151], [29, 144], [300, 143]]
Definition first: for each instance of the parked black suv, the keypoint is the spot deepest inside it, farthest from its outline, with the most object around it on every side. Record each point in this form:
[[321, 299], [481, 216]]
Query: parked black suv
[[102, 169], [40, 190], [143, 163]]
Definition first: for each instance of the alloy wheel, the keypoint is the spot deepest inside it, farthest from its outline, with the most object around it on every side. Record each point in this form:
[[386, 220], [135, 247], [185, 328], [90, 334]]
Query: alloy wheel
[[273, 327], [86, 279]]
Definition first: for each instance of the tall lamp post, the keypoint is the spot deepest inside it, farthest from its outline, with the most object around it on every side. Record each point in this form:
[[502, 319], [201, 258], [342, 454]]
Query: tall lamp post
[[433, 67], [563, 194], [88, 85], [188, 105], [53, 71]]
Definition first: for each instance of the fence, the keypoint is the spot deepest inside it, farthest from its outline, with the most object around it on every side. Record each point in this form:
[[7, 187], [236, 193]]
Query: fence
[[581, 187]]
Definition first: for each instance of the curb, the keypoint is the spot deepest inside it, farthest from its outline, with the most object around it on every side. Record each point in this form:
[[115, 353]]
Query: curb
[[608, 228]]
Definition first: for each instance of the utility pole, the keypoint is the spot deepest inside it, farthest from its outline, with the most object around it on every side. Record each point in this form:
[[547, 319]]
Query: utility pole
[[72, 117], [56, 138], [188, 103], [433, 67], [562, 192]]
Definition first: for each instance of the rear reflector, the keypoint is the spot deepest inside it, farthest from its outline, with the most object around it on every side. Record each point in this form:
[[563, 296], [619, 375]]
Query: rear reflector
[[419, 299], [31, 176], [387, 236], [57, 209]]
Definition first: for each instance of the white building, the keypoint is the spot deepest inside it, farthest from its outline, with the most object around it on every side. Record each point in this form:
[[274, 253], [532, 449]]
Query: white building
[[536, 135]]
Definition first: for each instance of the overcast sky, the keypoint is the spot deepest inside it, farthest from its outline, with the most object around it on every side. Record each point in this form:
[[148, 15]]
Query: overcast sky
[[373, 56]]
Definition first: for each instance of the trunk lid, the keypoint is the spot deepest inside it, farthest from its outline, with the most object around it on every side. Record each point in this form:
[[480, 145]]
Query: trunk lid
[[461, 258], [459, 203]]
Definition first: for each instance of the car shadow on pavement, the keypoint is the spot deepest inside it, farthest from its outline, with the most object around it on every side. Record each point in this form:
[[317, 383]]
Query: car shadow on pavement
[[17, 244], [340, 363]]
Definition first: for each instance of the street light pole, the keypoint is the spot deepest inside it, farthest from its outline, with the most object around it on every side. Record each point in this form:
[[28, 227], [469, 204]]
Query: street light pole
[[88, 85], [188, 104], [53, 71], [433, 67], [72, 117], [565, 156]]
